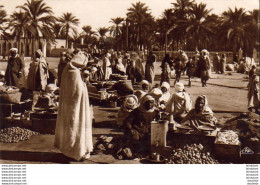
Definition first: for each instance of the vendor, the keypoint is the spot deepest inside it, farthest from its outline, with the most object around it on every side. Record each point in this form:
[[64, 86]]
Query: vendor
[[14, 72], [137, 125], [165, 87], [49, 92], [179, 104], [200, 115], [156, 93], [93, 75], [144, 88], [119, 67], [130, 103]]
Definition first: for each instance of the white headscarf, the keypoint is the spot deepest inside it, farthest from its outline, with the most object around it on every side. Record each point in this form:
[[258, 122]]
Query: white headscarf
[[179, 87], [165, 96]]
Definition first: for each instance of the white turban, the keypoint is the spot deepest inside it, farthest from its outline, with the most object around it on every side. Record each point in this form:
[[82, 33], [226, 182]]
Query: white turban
[[166, 85], [144, 82], [179, 87], [156, 93], [14, 49]]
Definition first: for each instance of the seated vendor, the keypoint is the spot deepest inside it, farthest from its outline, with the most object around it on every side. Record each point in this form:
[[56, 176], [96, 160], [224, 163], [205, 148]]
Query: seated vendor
[[144, 88], [137, 125], [156, 93], [165, 87], [200, 115], [179, 104], [48, 98], [93, 76], [119, 67], [130, 103]]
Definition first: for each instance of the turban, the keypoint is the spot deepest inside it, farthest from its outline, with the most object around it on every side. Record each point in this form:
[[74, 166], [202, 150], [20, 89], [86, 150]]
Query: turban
[[179, 87], [50, 87], [166, 85], [131, 102], [156, 93]]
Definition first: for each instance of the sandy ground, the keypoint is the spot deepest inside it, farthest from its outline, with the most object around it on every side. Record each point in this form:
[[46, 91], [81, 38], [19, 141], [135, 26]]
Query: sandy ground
[[226, 95]]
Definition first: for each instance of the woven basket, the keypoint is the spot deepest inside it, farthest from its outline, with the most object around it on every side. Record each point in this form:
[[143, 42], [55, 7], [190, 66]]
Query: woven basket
[[11, 97]]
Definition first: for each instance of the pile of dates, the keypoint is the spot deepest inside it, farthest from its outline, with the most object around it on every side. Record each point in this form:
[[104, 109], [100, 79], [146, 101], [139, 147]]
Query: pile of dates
[[228, 137], [8, 89], [15, 134], [192, 154]]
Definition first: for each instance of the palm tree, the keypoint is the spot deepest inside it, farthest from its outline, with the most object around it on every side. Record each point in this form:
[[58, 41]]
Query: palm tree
[[18, 26], [58, 31], [40, 19], [234, 28], [89, 34], [165, 25], [181, 11], [139, 17], [115, 29], [198, 26], [102, 31], [68, 22], [3, 18], [102, 35]]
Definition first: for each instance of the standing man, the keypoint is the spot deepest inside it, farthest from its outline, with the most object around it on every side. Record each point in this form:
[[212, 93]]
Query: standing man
[[73, 134], [216, 63], [149, 68], [14, 71]]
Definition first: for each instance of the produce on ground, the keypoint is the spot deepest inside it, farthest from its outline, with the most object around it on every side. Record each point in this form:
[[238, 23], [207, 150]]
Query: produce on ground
[[15, 134], [229, 137]]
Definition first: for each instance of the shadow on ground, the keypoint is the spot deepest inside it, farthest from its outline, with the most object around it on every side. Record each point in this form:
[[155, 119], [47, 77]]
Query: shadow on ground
[[35, 157]]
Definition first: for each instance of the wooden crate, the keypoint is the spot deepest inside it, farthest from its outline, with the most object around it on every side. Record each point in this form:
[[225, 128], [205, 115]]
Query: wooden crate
[[44, 126], [227, 152]]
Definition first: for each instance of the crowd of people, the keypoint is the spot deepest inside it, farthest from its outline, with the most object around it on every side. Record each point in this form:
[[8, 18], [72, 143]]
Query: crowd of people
[[73, 135]]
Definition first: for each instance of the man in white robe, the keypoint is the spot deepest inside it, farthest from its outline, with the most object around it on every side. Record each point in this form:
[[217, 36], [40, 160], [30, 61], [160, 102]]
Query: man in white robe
[[73, 134]]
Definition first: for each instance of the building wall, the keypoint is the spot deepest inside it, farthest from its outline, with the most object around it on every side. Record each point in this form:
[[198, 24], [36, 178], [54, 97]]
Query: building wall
[[26, 46]]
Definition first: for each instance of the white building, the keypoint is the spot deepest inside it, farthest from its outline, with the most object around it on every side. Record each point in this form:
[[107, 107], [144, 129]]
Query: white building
[[27, 44]]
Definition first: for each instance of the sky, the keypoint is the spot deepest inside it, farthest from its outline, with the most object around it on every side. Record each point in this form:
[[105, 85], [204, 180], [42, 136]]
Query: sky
[[98, 13]]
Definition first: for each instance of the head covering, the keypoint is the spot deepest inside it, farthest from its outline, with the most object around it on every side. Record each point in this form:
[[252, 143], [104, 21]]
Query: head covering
[[79, 60], [2, 73], [130, 103], [206, 109], [166, 85], [143, 100], [156, 93], [86, 72], [94, 69], [134, 56], [108, 55], [50, 87], [204, 51], [39, 52], [144, 82], [14, 50], [179, 87]]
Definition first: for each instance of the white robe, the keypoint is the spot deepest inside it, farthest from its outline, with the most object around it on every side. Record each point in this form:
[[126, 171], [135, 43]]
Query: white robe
[[73, 134]]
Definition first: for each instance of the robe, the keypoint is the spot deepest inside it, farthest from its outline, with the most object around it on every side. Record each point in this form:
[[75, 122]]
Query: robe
[[15, 65], [38, 75], [149, 68], [73, 134]]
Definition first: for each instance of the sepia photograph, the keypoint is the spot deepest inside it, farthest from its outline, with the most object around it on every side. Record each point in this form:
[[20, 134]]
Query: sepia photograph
[[129, 82]]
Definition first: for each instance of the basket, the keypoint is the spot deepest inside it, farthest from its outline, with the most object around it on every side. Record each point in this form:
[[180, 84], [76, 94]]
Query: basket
[[14, 97]]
